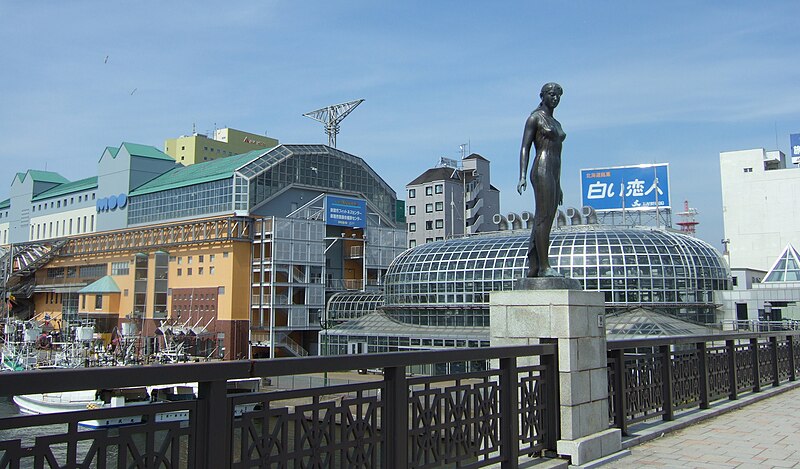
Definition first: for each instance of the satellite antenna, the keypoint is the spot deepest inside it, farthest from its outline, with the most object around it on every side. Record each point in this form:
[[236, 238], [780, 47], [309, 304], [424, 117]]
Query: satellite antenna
[[331, 116]]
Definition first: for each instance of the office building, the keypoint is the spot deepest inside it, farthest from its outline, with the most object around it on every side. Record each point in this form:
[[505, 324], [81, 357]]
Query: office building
[[759, 206], [451, 200], [197, 148]]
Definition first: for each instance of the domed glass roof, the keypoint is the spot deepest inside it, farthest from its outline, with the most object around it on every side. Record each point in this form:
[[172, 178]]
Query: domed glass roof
[[448, 282]]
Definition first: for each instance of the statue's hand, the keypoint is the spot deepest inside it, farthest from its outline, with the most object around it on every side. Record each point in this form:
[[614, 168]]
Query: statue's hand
[[522, 185]]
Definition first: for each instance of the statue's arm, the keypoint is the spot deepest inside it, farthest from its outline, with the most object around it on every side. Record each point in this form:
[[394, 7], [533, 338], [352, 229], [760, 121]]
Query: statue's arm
[[525, 152]]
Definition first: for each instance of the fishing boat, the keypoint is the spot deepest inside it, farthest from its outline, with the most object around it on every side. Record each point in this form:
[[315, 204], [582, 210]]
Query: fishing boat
[[71, 401]]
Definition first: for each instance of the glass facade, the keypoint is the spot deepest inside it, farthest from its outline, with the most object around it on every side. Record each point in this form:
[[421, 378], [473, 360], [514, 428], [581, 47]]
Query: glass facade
[[448, 283], [345, 306], [318, 166], [189, 201]]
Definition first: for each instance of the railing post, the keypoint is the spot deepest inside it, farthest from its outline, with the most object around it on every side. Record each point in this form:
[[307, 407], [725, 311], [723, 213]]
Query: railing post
[[212, 430], [666, 382], [776, 379], [620, 402], [396, 409], [792, 365], [552, 402], [509, 410], [733, 381], [702, 356], [756, 367]]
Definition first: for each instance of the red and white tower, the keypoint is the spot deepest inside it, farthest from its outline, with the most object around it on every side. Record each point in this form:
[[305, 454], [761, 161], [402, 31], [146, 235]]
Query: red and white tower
[[688, 222]]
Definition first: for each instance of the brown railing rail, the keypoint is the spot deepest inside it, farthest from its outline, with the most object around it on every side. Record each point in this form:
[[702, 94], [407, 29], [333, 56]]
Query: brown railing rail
[[657, 378], [475, 419]]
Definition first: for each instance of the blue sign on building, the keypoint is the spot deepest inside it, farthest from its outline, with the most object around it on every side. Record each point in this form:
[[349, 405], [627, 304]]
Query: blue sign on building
[[794, 148], [112, 202], [642, 187], [345, 211]]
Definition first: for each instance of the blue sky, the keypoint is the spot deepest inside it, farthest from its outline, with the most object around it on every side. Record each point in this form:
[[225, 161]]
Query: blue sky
[[673, 82]]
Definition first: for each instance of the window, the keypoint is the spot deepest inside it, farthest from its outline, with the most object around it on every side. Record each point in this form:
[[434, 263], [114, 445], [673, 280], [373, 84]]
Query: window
[[412, 243], [189, 271], [189, 259], [428, 208], [439, 238], [748, 170], [412, 227], [225, 255], [211, 270], [199, 271], [98, 302], [180, 260], [429, 225], [439, 206], [439, 188], [428, 240], [412, 193], [412, 210], [211, 258], [180, 272], [120, 268], [440, 223], [429, 190], [200, 258]]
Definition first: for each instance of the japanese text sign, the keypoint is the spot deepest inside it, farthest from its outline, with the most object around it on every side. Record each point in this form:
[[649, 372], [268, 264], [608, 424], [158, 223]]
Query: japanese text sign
[[794, 148], [642, 187], [345, 211]]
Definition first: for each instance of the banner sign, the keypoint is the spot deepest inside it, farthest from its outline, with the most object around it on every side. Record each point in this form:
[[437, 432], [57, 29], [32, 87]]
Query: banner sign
[[794, 148], [641, 187], [345, 211]]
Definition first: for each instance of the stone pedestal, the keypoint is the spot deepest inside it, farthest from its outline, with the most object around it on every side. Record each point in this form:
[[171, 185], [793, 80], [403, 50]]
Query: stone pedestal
[[575, 318]]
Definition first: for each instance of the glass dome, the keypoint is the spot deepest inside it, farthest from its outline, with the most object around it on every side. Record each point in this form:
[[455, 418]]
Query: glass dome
[[447, 283]]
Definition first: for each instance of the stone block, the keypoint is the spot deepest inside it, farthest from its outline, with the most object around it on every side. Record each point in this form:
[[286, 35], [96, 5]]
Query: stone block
[[574, 388], [498, 321], [546, 283], [570, 422], [591, 353], [594, 417], [598, 384], [568, 355], [526, 321], [589, 448]]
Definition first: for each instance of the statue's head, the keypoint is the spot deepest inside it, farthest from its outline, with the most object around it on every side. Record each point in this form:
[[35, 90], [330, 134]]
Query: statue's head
[[551, 94]]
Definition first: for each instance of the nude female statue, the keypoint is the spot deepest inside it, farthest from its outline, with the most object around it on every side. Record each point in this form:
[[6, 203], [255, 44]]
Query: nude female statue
[[545, 133]]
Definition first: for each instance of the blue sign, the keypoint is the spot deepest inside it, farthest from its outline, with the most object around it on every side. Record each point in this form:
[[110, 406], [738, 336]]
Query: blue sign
[[794, 147], [345, 211], [112, 202], [642, 187]]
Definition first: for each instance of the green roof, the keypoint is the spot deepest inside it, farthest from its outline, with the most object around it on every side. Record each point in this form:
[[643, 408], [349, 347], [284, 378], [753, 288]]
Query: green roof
[[145, 151], [197, 173], [43, 176], [68, 188], [113, 151], [103, 285], [5, 204]]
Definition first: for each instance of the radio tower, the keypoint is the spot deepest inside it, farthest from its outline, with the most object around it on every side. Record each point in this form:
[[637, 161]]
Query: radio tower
[[688, 222], [331, 116]]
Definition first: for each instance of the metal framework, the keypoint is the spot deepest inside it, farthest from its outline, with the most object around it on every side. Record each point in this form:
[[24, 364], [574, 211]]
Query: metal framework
[[332, 116], [181, 234]]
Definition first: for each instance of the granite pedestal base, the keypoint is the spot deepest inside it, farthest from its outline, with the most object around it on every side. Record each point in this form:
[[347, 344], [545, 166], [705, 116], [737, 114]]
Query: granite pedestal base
[[573, 318]]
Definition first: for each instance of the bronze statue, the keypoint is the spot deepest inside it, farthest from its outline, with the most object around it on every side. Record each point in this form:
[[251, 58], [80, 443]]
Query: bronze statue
[[545, 133]]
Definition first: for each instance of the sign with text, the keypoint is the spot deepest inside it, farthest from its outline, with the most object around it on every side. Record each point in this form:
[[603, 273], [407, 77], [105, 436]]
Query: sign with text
[[794, 147], [345, 211], [641, 187]]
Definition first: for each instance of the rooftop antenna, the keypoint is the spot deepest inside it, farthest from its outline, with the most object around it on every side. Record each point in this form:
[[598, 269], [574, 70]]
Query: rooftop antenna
[[331, 116]]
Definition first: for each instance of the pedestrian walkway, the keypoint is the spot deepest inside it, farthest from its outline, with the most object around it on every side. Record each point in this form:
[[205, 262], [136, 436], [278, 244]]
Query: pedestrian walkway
[[760, 435]]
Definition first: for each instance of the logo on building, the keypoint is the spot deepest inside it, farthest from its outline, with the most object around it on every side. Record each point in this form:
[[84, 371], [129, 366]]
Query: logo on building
[[111, 202], [795, 148]]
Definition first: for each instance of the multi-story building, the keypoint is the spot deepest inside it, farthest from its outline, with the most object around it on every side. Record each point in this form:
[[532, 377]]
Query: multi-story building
[[196, 148], [448, 201], [759, 206], [250, 245]]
